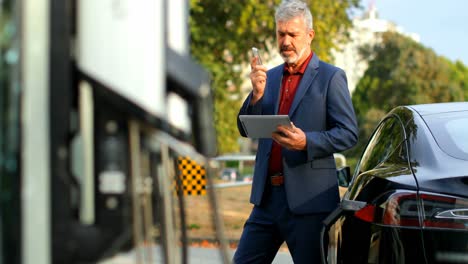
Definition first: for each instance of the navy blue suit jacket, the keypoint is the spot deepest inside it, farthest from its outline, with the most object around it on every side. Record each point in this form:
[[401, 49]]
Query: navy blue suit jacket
[[322, 108]]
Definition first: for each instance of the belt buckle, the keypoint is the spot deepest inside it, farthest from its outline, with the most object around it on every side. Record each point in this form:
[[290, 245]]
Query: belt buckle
[[277, 179]]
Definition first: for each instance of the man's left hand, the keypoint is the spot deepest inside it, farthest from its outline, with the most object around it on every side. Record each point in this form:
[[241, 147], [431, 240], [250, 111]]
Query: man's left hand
[[292, 138]]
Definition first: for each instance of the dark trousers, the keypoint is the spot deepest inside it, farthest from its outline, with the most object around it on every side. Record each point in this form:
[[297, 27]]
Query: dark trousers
[[270, 224]]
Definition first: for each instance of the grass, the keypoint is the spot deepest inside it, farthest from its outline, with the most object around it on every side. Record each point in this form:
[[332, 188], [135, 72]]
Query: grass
[[234, 208]]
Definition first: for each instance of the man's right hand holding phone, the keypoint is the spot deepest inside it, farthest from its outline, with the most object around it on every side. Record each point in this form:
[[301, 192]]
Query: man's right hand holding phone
[[258, 78]]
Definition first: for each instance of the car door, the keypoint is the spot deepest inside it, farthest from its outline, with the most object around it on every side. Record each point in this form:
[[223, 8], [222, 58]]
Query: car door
[[374, 231]]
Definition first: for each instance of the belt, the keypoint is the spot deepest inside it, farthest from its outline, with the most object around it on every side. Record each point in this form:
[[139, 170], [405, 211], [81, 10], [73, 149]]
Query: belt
[[277, 179]]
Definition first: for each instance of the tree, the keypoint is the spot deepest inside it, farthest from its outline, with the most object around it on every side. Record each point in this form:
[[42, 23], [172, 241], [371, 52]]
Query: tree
[[404, 72], [222, 33]]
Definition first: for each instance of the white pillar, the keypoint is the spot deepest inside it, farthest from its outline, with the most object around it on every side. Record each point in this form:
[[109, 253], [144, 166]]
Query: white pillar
[[35, 153]]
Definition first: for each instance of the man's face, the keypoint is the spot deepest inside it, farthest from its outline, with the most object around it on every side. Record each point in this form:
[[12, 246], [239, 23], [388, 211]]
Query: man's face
[[293, 40]]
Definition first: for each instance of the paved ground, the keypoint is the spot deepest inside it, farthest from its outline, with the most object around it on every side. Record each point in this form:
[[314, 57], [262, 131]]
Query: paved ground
[[202, 256], [196, 256]]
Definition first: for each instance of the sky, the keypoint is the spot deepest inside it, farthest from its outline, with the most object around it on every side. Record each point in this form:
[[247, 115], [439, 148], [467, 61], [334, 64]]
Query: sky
[[441, 25]]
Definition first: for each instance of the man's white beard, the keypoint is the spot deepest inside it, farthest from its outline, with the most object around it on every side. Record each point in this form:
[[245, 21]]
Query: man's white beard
[[293, 59]]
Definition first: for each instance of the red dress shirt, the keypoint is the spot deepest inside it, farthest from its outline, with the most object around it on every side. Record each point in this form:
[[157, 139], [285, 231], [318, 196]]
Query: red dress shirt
[[288, 89]]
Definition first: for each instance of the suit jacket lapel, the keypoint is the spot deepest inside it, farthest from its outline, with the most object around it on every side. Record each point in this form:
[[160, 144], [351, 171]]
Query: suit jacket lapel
[[309, 75]]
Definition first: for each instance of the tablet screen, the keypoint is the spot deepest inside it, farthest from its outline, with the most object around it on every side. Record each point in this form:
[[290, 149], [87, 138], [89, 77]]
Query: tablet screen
[[262, 126]]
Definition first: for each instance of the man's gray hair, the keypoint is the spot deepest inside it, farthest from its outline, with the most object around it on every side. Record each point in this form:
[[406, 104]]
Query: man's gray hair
[[289, 9]]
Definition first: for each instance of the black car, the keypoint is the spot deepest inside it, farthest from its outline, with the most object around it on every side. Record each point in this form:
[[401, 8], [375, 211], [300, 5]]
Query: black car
[[407, 201]]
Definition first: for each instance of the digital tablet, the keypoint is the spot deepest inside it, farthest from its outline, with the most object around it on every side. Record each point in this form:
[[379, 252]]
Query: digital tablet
[[262, 126]]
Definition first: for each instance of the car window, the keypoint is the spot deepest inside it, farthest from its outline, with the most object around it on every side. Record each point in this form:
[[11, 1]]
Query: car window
[[385, 140], [450, 131]]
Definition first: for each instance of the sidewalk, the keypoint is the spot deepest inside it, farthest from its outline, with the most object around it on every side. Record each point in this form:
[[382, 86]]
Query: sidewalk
[[196, 256]]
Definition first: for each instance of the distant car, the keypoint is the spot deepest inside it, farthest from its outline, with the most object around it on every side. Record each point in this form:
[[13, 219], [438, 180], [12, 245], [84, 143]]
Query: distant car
[[230, 174], [408, 199], [247, 178]]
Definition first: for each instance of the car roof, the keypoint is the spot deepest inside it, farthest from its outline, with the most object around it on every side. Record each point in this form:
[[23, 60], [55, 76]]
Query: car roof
[[437, 108]]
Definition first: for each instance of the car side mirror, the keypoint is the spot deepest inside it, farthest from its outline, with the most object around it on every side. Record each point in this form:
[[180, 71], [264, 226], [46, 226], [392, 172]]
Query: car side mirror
[[344, 176]]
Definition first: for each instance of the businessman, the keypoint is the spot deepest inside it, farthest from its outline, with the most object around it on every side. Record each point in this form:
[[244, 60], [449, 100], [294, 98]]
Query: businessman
[[294, 185]]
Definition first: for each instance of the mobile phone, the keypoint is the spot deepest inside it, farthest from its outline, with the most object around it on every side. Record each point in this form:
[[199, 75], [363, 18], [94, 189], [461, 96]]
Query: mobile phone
[[255, 54]]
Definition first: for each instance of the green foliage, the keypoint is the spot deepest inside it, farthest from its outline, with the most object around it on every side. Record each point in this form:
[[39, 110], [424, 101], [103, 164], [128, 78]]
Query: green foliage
[[193, 226], [222, 33], [404, 72]]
